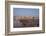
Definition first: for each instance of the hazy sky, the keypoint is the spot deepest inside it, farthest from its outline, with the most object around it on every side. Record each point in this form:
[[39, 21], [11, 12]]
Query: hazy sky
[[25, 12]]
